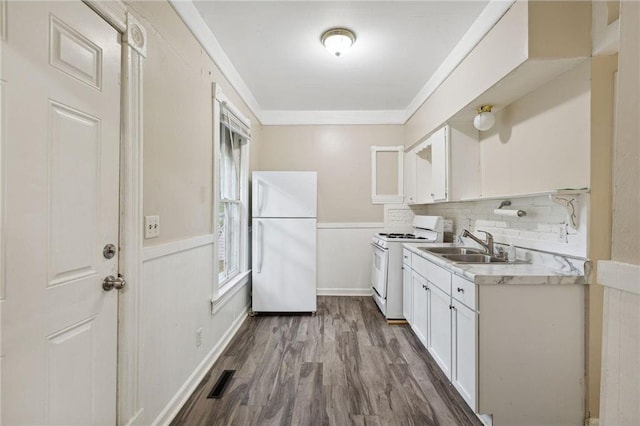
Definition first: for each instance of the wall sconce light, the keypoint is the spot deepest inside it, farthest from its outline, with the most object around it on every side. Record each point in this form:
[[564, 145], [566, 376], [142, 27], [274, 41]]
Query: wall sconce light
[[485, 118], [337, 40]]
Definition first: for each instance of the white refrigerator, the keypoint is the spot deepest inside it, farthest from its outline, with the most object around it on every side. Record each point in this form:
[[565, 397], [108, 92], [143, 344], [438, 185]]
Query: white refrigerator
[[283, 261]]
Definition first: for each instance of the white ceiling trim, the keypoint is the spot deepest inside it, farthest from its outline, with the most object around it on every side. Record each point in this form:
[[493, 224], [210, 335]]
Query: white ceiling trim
[[199, 28], [490, 15], [292, 118]]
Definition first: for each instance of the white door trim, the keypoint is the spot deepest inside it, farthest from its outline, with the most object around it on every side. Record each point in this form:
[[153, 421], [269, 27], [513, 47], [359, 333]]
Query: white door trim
[[134, 50]]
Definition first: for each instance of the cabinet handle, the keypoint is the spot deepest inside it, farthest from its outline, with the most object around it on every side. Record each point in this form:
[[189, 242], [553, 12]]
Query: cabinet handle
[[460, 290]]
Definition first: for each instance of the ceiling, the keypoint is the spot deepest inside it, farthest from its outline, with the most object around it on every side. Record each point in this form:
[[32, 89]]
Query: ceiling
[[272, 54]]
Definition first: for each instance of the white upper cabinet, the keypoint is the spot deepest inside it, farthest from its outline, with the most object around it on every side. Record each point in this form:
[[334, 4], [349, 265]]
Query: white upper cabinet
[[444, 167]]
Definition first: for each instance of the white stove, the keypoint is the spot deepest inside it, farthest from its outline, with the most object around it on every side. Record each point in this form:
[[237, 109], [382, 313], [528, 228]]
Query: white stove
[[386, 271]]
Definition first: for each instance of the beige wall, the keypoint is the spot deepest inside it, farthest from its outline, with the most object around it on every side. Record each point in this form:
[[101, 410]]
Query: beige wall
[[502, 50], [342, 157], [178, 150], [540, 142], [626, 178], [529, 32]]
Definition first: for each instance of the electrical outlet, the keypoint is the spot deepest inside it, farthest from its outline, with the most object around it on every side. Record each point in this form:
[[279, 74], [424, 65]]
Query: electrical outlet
[[447, 225], [151, 226], [199, 337]]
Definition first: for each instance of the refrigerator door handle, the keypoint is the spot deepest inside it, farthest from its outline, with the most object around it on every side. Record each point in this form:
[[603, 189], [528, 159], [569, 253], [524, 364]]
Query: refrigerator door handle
[[259, 196], [260, 247]]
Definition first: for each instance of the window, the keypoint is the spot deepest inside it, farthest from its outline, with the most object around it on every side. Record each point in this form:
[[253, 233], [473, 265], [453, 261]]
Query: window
[[232, 197]]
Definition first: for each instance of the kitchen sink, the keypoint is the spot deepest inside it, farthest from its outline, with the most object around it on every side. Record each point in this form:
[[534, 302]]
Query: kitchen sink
[[473, 258], [451, 250]]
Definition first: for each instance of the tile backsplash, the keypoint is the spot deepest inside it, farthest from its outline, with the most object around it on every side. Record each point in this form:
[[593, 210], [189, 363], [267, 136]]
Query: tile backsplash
[[545, 226]]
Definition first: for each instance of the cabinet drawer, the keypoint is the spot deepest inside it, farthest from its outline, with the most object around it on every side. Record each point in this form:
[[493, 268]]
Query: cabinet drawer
[[464, 291], [434, 274], [406, 257]]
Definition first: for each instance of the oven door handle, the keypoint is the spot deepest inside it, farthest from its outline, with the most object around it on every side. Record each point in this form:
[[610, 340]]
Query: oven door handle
[[374, 245]]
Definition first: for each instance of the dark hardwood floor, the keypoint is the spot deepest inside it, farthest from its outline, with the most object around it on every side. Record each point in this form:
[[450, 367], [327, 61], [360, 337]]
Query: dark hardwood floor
[[345, 366]]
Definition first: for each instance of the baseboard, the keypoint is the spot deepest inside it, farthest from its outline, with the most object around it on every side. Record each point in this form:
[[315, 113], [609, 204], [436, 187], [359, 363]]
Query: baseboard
[[343, 292], [173, 407]]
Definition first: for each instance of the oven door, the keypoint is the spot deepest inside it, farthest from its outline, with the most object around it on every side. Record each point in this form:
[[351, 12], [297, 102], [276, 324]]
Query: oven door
[[379, 266]]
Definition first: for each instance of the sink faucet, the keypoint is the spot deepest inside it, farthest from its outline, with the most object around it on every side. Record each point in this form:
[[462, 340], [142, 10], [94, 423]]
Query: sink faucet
[[488, 245]]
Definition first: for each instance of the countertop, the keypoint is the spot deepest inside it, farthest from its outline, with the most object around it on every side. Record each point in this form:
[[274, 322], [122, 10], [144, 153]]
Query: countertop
[[512, 273]]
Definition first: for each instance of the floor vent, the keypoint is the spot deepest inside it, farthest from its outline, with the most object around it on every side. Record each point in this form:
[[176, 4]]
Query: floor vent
[[221, 384]]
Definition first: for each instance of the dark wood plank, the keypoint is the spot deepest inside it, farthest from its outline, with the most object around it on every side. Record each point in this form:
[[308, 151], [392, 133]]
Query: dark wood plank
[[344, 366]]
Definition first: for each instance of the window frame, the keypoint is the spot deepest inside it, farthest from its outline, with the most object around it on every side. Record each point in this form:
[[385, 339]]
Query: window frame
[[240, 275]]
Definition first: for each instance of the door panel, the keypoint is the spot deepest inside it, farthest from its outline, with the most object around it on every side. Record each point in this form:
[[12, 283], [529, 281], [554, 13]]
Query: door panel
[[59, 328], [407, 294], [439, 164], [379, 270], [420, 307], [440, 329], [74, 145], [284, 194], [464, 366], [284, 265]]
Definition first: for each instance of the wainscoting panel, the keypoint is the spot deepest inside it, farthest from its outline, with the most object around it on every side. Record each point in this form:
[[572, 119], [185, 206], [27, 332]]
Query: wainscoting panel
[[344, 258], [176, 291]]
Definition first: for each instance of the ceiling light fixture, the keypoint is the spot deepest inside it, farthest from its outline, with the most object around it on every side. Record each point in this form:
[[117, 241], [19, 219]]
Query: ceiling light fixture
[[485, 118], [337, 40]]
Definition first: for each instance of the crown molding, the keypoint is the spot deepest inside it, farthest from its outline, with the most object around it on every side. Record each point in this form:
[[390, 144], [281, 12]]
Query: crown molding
[[199, 28], [293, 118], [490, 15]]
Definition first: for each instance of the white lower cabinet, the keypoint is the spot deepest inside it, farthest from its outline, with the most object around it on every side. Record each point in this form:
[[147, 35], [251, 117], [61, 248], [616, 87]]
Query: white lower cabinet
[[420, 308], [464, 321], [513, 363], [439, 324]]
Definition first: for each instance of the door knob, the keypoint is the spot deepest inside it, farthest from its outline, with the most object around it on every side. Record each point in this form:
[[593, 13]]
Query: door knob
[[111, 282]]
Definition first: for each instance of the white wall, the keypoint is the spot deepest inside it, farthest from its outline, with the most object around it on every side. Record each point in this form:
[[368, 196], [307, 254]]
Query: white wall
[[344, 258], [178, 274], [176, 294]]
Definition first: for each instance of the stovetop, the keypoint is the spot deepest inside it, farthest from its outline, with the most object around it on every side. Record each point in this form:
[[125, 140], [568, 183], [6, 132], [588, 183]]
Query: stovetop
[[400, 236]]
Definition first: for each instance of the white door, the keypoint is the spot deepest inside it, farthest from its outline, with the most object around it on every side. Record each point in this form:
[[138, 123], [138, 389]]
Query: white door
[[420, 305], [284, 194], [440, 328], [60, 66], [407, 293], [439, 161], [379, 270], [284, 265], [463, 368]]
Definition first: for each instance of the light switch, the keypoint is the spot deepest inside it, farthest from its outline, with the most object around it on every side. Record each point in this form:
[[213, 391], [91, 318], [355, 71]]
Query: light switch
[[151, 226]]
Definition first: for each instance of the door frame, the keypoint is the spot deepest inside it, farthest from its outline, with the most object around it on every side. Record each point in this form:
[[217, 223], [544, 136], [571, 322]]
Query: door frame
[[134, 51]]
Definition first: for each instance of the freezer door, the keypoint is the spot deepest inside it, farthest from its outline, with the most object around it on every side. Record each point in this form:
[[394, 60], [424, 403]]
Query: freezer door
[[284, 265], [284, 194]]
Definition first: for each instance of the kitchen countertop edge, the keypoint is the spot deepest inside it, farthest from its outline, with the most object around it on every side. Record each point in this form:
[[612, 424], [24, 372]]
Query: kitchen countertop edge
[[496, 274]]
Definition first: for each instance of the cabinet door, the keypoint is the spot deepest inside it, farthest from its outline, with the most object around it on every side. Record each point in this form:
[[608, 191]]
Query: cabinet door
[[407, 293], [464, 366], [419, 307], [410, 177], [439, 320], [439, 162]]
